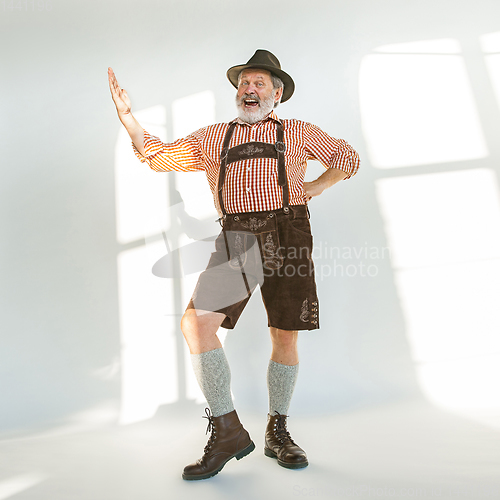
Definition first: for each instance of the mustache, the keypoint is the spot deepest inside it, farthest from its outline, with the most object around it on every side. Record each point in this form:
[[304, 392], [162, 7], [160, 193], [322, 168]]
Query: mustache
[[249, 96]]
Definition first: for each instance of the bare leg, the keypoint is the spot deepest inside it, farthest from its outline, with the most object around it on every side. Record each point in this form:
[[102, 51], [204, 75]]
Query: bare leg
[[284, 346], [200, 330]]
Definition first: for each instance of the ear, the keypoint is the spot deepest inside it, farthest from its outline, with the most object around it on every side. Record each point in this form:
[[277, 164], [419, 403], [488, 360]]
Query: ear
[[278, 95]]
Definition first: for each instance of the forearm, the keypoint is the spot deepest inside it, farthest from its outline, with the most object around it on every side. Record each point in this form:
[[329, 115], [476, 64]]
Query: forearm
[[324, 181], [329, 178], [134, 129]]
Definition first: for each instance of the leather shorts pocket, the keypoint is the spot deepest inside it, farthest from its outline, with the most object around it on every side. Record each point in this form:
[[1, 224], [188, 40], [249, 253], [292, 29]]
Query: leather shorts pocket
[[300, 225]]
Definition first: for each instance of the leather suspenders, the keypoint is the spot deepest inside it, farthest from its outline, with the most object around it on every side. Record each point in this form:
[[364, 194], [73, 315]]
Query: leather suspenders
[[223, 163], [282, 178], [251, 150]]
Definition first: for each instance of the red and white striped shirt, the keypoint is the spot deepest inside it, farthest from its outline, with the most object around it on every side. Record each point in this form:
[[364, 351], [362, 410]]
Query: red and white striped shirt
[[252, 185]]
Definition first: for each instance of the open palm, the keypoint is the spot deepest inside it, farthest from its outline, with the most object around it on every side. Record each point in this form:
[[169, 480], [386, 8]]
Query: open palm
[[119, 95]]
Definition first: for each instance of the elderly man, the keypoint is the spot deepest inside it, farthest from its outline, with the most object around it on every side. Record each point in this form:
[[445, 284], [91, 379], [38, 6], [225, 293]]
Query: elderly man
[[255, 166]]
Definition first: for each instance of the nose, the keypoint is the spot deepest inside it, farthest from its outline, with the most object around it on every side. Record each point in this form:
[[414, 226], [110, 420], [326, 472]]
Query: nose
[[250, 89]]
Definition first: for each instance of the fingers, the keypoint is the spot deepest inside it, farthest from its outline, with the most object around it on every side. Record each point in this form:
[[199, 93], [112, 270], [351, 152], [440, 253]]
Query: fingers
[[113, 82], [119, 95]]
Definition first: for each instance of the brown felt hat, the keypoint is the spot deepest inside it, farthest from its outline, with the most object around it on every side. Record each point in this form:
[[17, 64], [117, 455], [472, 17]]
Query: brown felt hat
[[263, 59]]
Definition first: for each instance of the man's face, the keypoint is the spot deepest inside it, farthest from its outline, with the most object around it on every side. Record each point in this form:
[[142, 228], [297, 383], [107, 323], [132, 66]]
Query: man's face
[[255, 97]]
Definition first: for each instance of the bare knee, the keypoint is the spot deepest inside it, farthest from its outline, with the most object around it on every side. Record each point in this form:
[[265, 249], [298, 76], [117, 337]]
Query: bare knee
[[195, 320], [189, 322], [200, 329], [284, 346], [284, 338]]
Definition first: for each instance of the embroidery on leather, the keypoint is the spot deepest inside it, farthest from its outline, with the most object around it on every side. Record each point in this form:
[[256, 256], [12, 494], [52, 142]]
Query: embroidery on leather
[[237, 261], [250, 150], [272, 258], [270, 246], [304, 314], [253, 224]]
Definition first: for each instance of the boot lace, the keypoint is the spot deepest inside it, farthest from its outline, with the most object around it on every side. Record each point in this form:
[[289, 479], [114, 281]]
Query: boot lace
[[280, 430], [210, 428]]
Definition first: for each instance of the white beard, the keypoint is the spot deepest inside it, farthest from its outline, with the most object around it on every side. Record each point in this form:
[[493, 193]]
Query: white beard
[[254, 115]]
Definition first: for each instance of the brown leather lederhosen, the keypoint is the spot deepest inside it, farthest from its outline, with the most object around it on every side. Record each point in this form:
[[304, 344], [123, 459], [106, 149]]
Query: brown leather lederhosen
[[255, 236]]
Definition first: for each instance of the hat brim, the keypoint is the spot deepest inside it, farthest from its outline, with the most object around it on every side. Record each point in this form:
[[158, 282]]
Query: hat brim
[[232, 75]]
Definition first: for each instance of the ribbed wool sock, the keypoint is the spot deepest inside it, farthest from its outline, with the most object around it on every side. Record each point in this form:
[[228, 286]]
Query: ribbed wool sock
[[212, 372], [281, 381]]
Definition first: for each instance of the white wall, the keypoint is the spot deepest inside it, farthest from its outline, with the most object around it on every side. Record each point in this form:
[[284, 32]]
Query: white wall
[[383, 337]]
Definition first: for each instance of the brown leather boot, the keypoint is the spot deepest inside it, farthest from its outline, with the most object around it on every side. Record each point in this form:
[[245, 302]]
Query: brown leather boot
[[279, 444], [228, 439]]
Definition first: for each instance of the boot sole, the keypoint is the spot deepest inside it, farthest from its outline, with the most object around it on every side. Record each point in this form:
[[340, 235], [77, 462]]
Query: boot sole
[[238, 456], [270, 453]]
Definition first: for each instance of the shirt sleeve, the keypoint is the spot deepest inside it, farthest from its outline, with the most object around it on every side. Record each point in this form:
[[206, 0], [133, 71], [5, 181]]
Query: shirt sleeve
[[331, 152], [183, 155]]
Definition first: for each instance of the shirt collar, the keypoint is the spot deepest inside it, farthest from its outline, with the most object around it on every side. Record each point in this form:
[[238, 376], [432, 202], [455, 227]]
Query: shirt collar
[[271, 116]]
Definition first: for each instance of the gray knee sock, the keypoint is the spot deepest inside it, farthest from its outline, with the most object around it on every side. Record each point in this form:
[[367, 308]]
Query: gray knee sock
[[212, 372], [280, 383]]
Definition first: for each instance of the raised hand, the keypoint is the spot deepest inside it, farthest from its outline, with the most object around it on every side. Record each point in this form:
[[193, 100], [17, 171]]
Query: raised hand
[[122, 103], [119, 95]]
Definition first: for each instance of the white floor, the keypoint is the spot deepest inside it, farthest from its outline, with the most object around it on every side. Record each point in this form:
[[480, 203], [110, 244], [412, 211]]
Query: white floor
[[404, 450]]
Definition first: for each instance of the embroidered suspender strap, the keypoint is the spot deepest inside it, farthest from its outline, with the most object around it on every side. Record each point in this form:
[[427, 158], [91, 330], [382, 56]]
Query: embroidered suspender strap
[[223, 161], [282, 178], [251, 150]]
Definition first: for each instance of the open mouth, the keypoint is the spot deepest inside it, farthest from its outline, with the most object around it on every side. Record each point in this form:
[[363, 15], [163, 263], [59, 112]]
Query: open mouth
[[250, 103]]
